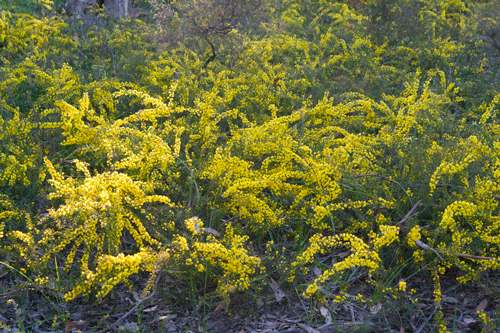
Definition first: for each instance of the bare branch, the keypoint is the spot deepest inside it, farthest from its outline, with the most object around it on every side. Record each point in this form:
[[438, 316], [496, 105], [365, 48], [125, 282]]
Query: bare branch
[[212, 57], [139, 302], [427, 247], [428, 319], [474, 257], [410, 213]]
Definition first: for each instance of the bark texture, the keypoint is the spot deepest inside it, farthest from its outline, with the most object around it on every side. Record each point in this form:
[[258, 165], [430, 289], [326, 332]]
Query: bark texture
[[116, 8]]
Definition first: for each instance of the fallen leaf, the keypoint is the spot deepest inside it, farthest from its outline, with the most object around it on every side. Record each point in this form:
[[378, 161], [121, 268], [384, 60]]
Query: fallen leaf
[[471, 322], [325, 313], [222, 305], [449, 299], [343, 254], [151, 309], [167, 317], [317, 271], [308, 329], [214, 232], [482, 305], [69, 326], [376, 308], [278, 293]]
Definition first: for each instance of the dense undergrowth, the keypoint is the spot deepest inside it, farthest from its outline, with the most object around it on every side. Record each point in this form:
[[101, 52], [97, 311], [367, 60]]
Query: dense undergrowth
[[222, 160]]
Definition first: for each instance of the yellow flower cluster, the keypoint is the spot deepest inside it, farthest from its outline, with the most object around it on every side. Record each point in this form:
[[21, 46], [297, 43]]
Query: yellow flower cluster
[[472, 151], [194, 225], [361, 253], [95, 214], [413, 236], [227, 255], [110, 271]]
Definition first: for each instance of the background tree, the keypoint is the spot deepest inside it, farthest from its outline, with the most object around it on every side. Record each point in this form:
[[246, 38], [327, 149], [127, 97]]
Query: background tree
[[117, 8], [194, 20]]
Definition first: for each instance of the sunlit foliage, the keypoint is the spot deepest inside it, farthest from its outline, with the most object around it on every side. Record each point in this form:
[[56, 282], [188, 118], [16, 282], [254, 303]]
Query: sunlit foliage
[[122, 154]]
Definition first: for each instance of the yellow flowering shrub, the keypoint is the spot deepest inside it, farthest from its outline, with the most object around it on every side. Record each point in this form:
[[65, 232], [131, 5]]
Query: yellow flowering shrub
[[225, 258], [362, 254], [317, 132], [16, 160], [228, 255], [94, 216]]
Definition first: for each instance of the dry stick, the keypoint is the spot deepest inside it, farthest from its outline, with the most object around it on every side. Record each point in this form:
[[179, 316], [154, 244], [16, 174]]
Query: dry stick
[[139, 302], [427, 247], [410, 213], [474, 257], [352, 313], [307, 328]]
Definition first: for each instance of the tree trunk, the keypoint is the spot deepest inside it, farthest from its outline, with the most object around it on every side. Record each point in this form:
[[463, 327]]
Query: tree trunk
[[116, 8]]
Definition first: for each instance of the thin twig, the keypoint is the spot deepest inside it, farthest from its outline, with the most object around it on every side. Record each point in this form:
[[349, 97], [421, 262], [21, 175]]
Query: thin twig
[[352, 313], [428, 319], [139, 302], [410, 213]]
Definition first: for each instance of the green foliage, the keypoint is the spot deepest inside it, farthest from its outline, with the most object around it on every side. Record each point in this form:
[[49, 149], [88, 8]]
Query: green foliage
[[122, 151]]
